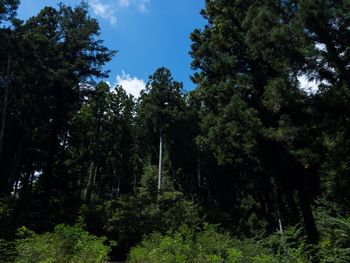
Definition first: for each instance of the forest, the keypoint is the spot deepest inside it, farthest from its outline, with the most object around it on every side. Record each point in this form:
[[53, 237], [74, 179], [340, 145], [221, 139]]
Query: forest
[[250, 166]]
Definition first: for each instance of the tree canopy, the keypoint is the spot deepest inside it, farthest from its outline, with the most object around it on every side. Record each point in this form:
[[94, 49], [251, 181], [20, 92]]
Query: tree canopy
[[254, 165]]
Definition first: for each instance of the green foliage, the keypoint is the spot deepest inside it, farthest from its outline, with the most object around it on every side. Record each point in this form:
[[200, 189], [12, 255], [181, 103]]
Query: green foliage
[[149, 180], [335, 238], [101, 152], [250, 147], [8, 9], [64, 244], [249, 57], [189, 245], [209, 245], [290, 246], [130, 218], [8, 251], [161, 103]]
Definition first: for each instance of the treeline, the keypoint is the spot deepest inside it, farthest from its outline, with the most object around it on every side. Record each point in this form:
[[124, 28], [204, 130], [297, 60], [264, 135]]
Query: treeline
[[250, 149]]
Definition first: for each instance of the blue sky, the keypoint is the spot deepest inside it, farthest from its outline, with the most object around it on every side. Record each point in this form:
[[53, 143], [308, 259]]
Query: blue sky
[[146, 33]]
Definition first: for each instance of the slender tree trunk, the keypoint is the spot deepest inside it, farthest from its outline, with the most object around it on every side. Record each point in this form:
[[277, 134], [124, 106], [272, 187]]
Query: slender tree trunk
[[4, 106], [280, 227], [90, 183], [277, 198], [160, 161]]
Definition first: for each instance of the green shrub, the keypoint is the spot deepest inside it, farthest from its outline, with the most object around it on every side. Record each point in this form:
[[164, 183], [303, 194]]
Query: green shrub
[[163, 249], [335, 238], [130, 218], [7, 251], [187, 245], [64, 244], [290, 246], [235, 255]]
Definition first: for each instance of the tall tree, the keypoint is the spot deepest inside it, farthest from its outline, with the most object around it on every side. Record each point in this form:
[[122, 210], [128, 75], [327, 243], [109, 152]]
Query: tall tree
[[161, 104], [251, 105], [101, 144], [57, 51], [9, 44], [326, 30]]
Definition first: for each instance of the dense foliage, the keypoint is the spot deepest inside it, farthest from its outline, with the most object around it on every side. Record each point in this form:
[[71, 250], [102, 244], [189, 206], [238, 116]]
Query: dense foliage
[[209, 245], [65, 244], [255, 165]]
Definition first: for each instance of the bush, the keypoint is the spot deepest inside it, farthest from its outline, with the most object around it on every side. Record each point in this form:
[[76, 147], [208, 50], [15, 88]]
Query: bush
[[64, 244], [187, 245], [7, 251], [290, 246], [335, 238], [130, 218]]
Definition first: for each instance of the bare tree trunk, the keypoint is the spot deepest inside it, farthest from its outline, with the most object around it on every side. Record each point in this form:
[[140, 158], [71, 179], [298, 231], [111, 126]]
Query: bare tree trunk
[[90, 183], [4, 106], [160, 161]]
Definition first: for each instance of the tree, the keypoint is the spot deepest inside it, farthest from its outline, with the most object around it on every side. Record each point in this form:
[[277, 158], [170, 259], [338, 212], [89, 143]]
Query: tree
[[327, 31], [56, 52], [8, 10], [8, 43], [101, 144], [161, 104], [251, 106]]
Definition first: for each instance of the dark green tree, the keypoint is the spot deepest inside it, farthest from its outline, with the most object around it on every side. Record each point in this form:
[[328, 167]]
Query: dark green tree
[[161, 108], [248, 57], [8, 10], [56, 52], [326, 30], [101, 144]]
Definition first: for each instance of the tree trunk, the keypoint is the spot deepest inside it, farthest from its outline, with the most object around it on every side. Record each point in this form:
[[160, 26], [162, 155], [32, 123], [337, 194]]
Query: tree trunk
[[160, 161], [90, 185]]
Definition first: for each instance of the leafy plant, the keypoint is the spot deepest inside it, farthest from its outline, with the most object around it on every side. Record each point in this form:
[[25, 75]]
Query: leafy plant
[[335, 238], [65, 244], [189, 245]]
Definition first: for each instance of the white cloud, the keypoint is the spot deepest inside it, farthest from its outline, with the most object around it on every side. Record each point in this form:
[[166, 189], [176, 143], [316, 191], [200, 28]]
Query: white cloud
[[140, 5], [132, 85], [109, 9], [104, 11]]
